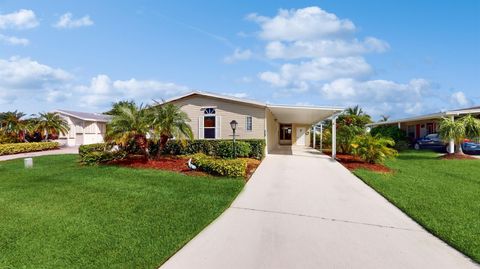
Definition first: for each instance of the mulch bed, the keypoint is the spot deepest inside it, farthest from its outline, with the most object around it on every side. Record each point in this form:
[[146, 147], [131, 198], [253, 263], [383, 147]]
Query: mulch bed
[[456, 156], [352, 162], [175, 164]]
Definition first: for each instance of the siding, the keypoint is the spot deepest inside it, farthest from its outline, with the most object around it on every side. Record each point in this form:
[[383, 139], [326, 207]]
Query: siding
[[228, 111]]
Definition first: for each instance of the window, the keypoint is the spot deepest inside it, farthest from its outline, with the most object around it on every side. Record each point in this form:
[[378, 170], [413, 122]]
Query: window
[[209, 111], [209, 127], [249, 124]]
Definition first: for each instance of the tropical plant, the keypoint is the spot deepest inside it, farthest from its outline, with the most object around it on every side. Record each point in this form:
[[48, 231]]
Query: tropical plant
[[354, 111], [393, 132], [50, 124], [384, 118], [12, 123], [373, 149], [130, 125], [168, 121], [458, 130], [115, 110]]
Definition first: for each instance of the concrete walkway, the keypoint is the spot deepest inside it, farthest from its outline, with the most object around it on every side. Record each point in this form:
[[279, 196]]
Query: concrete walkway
[[302, 210], [63, 150]]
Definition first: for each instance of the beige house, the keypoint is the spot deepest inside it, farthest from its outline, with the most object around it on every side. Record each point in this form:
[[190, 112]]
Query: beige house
[[211, 115], [85, 128]]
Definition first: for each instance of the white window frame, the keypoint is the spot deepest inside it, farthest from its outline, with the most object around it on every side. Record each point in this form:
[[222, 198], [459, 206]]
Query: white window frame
[[246, 124], [217, 127]]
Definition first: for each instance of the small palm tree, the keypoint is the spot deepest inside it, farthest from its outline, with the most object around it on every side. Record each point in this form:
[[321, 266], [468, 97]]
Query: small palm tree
[[354, 111], [472, 126], [117, 105], [373, 149], [384, 118], [50, 123], [130, 124], [451, 129], [13, 124], [168, 121]]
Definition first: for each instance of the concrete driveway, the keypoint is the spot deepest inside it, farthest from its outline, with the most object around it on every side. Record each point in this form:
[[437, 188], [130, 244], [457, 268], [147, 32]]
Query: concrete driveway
[[302, 210]]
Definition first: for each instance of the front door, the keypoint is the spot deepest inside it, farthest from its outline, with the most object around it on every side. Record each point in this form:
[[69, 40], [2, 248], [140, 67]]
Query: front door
[[300, 136]]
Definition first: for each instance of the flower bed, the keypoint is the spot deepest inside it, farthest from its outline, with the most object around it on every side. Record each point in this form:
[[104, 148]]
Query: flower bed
[[352, 163]]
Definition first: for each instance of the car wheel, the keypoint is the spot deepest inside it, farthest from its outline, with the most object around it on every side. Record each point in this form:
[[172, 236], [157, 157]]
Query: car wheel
[[416, 146]]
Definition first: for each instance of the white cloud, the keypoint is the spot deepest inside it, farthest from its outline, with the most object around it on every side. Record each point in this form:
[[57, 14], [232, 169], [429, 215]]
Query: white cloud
[[12, 40], [67, 21], [102, 91], [323, 48], [301, 24], [21, 19], [460, 99], [24, 73], [380, 96], [238, 55], [318, 69]]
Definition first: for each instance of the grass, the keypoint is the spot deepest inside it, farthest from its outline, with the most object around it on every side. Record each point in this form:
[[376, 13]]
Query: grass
[[442, 195], [63, 215]]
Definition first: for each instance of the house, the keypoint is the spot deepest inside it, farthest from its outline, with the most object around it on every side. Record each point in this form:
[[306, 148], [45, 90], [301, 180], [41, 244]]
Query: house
[[211, 115], [420, 126], [85, 128]]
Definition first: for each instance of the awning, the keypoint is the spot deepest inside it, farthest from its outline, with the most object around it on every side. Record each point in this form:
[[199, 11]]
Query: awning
[[302, 114]]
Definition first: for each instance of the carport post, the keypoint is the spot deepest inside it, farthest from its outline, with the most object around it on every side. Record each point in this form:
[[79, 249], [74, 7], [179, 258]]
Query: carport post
[[321, 137], [334, 137], [451, 144], [314, 131]]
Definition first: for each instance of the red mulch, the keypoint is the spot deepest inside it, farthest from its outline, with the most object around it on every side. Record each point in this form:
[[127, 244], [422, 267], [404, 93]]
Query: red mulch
[[252, 165], [456, 156], [352, 162], [175, 164]]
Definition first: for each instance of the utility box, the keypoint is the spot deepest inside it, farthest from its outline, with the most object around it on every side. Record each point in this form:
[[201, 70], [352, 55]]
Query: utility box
[[28, 162]]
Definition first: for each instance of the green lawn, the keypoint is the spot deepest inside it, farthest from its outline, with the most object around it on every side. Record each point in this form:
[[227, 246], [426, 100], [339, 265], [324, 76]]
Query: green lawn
[[63, 215], [441, 195]]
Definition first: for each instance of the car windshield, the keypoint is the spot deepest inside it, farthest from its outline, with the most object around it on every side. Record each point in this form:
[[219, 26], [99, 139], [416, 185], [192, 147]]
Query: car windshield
[[432, 136]]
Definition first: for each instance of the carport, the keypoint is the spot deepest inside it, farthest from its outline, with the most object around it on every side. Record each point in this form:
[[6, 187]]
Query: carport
[[291, 125]]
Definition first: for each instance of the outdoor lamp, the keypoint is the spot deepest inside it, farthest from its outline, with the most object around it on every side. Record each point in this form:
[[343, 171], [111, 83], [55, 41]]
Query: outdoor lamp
[[233, 124]]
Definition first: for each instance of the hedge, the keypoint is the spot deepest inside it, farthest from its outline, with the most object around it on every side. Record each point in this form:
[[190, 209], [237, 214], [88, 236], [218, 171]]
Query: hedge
[[220, 167], [85, 149], [97, 157], [213, 148], [14, 148]]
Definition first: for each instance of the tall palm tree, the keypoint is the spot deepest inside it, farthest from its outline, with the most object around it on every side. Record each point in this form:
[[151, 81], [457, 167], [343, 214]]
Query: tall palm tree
[[50, 123], [355, 111], [130, 124], [13, 124], [465, 127], [117, 105], [168, 121]]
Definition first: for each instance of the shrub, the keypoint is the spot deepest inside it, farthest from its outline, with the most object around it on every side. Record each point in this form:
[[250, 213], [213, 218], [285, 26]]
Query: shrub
[[97, 157], [393, 132], [85, 149], [373, 149], [220, 167], [225, 149], [7, 138], [208, 147], [6, 149]]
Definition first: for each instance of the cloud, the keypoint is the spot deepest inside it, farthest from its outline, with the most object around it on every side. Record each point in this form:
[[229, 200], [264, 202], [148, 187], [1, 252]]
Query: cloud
[[238, 55], [12, 40], [66, 21], [318, 69], [24, 73], [21, 19], [324, 48], [460, 99], [102, 91], [380, 96], [301, 24]]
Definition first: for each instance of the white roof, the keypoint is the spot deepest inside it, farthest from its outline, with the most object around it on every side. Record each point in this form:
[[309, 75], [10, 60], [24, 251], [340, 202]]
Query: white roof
[[85, 115], [283, 113], [455, 112]]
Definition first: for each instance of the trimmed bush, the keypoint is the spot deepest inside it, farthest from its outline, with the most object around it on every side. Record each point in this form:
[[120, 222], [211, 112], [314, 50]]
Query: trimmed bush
[[97, 157], [14, 148], [85, 149], [225, 149], [8, 139], [209, 147], [220, 167]]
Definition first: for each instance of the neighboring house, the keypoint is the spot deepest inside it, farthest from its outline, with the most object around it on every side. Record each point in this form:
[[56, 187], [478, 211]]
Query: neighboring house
[[85, 128], [211, 115], [420, 126]]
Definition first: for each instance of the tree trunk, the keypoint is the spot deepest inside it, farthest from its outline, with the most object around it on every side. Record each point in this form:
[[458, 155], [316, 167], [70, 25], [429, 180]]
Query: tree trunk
[[142, 143], [161, 144], [459, 150]]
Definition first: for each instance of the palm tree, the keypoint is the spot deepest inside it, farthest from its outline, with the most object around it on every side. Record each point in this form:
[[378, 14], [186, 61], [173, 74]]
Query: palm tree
[[451, 129], [168, 121], [13, 124], [472, 127], [384, 118], [354, 111], [117, 105], [50, 123], [130, 124]]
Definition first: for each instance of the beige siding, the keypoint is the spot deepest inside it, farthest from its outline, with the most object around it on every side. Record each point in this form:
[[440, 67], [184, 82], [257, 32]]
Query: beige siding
[[228, 111], [272, 131]]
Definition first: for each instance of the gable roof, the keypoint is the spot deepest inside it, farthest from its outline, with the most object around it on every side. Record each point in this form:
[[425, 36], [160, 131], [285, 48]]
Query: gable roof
[[85, 115], [218, 96]]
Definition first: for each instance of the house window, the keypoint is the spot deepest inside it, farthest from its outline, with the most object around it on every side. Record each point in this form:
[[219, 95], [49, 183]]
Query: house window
[[249, 123], [209, 123], [209, 111]]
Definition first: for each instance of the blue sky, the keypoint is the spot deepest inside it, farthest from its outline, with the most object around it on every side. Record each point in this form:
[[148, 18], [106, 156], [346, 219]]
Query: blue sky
[[396, 58]]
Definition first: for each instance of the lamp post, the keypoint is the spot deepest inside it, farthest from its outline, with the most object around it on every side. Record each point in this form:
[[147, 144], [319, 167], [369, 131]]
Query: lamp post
[[233, 124]]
